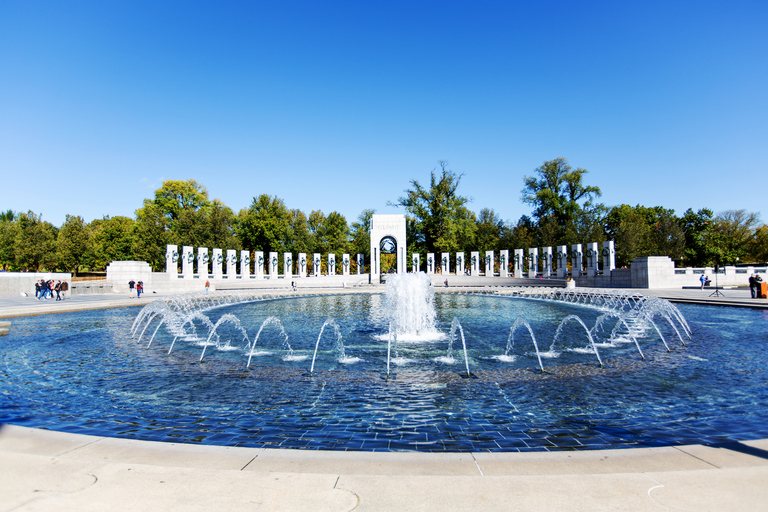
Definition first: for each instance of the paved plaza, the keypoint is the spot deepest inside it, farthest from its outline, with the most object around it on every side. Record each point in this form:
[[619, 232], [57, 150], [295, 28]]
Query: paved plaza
[[45, 470]]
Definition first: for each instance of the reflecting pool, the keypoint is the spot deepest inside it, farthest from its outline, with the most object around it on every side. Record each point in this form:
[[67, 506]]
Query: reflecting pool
[[85, 373]]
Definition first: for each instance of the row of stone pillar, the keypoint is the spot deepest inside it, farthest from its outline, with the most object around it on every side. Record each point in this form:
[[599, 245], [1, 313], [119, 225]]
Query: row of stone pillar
[[536, 263], [226, 266]]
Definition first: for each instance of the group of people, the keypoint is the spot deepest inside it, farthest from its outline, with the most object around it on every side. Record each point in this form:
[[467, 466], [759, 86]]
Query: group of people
[[139, 287], [44, 289], [754, 285]]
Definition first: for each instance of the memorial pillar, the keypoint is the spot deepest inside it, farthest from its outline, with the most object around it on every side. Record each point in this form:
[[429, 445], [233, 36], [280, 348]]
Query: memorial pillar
[[202, 262], [547, 260], [245, 264], [609, 256], [288, 265], [504, 263], [517, 266], [171, 259], [533, 262], [258, 258], [217, 260], [562, 261], [576, 260], [302, 264], [187, 262], [490, 262]]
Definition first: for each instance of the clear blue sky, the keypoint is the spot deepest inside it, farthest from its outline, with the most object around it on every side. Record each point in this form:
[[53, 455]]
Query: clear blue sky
[[338, 105]]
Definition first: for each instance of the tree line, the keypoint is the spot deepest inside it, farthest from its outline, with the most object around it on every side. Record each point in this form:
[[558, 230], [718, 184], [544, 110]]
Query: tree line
[[565, 211]]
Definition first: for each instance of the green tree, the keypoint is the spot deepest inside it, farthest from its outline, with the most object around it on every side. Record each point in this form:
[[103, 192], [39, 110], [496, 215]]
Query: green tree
[[361, 235], [696, 229], [264, 225], [113, 240], [628, 228], [559, 196], [8, 230], [35, 243], [489, 230], [300, 239], [440, 220], [74, 244], [758, 251], [732, 235], [151, 236], [180, 209]]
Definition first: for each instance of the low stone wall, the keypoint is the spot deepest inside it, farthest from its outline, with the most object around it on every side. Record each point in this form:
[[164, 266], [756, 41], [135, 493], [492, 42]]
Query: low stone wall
[[90, 287], [17, 283]]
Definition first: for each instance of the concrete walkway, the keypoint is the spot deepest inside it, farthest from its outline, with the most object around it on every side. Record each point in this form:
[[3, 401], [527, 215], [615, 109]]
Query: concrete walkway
[[43, 470]]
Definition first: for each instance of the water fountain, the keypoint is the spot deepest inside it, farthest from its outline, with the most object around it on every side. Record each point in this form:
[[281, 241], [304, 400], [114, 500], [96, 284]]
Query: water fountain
[[551, 369]]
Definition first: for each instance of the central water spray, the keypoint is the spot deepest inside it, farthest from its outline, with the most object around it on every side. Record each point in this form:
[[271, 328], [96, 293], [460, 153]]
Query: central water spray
[[410, 300]]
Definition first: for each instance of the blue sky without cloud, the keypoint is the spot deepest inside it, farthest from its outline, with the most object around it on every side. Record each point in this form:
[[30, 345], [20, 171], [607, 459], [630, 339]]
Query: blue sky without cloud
[[337, 105]]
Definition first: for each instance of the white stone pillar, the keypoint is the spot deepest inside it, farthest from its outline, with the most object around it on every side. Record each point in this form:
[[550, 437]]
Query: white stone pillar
[[202, 262], [430, 263], [592, 256], [345, 264], [609, 257], [445, 263], [217, 260], [490, 262], [258, 264], [474, 263], [316, 264], [517, 264], [533, 262], [360, 263], [172, 259], [416, 264], [231, 263], [576, 260], [331, 264], [547, 260], [303, 264], [187, 262], [460, 271], [288, 265], [504, 263], [245, 264], [562, 261], [272, 265]]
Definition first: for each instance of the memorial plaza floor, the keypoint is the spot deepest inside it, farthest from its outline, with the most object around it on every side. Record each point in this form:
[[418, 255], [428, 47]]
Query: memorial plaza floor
[[46, 471]]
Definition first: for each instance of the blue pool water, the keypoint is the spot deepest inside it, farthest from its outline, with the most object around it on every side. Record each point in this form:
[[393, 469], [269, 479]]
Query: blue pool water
[[84, 373]]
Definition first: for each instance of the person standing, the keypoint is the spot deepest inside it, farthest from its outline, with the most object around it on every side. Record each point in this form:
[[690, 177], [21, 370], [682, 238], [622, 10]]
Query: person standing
[[207, 285], [57, 289], [703, 280], [64, 289], [131, 285], [139, 288], [38, 290]]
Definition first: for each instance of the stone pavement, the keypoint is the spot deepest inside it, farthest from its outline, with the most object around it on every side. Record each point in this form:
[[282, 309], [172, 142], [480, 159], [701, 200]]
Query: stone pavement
[[44, 470]]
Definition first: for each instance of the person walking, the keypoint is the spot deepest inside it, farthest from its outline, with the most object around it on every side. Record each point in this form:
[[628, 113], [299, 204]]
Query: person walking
[[131, 285], [57, 289], [64, 289]]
